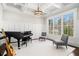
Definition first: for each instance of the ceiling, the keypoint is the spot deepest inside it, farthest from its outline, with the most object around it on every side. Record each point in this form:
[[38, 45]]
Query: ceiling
[[47, 8]]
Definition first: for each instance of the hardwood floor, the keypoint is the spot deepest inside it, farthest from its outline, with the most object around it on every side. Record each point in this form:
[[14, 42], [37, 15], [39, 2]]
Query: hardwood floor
[[75, 52]]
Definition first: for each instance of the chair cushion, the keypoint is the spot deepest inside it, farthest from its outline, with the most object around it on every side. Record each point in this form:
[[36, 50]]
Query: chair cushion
[[58, 41]]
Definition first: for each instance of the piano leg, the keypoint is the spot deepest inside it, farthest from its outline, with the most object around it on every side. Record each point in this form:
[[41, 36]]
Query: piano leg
[[18, 43], [26, 43]]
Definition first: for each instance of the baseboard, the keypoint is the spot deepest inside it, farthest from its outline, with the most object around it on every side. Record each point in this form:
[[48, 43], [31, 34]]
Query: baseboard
[[73, 46]]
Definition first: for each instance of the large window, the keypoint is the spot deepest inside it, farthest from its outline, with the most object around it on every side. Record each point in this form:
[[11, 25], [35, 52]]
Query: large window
[[66, 20], [57, 25], [68, 24]]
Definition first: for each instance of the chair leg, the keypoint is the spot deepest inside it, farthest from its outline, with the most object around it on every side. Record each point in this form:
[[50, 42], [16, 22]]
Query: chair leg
[[56, 46], [39, 39], [44, 39], [66, 46], [53, 43]]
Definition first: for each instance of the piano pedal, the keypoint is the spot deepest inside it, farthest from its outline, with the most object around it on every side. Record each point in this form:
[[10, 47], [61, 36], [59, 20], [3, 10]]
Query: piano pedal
[[19, 48]]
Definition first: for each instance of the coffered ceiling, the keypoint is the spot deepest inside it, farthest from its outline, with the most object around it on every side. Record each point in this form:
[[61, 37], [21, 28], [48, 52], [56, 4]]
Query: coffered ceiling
[[47, 8]]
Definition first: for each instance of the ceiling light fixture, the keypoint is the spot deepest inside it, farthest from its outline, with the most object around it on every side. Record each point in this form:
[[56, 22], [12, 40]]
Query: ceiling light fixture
[[38, 11]]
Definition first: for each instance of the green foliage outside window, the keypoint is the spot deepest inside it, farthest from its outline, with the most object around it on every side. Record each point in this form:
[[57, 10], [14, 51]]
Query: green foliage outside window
[[68, 24]]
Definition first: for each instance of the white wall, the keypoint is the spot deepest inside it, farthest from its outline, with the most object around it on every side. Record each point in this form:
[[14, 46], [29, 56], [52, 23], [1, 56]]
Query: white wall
[[13, 21], [1, 13], [76, 39]]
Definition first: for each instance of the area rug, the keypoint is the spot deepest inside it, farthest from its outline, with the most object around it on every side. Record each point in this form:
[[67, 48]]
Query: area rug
[[42, 48]]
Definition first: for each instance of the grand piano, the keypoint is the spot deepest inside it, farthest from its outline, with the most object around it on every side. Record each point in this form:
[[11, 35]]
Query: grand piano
[[19, 35]]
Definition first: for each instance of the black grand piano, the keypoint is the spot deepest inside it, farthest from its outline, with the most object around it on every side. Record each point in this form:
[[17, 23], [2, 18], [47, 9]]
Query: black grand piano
[[19, 35]]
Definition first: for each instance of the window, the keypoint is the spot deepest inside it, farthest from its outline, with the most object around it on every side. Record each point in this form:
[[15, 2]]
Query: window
[[68, 24], [50, 26], [57, 25], [66, 20]]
